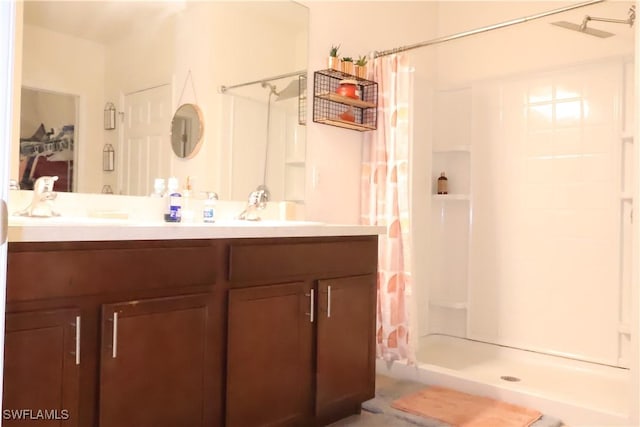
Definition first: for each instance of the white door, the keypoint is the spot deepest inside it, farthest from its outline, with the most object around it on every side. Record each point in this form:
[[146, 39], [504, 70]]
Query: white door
[[146, 149], [7, 29]]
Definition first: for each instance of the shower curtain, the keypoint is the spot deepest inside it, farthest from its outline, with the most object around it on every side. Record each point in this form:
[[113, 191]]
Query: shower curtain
[[385, 201]]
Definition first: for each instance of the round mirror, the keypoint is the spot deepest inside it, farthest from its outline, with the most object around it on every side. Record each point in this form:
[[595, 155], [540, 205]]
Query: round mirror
[[186, 131]]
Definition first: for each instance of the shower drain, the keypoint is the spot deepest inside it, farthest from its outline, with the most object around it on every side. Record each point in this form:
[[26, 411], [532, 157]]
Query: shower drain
[[510, 378]]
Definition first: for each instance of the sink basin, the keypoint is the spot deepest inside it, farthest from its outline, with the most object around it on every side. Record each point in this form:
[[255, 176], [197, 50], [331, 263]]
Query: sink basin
[[64, 220], [119, 221], [267, 223]]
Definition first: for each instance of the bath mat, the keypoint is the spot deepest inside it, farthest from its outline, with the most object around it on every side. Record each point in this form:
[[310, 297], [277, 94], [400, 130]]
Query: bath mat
[[465, 410]]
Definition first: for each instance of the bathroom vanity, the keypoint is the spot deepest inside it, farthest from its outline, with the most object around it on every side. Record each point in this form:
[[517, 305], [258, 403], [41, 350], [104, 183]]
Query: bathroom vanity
[[190, 325]]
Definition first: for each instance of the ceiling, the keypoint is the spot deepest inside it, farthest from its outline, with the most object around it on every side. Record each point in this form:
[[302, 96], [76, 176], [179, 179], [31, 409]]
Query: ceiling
[[105, 21], [98, 21]]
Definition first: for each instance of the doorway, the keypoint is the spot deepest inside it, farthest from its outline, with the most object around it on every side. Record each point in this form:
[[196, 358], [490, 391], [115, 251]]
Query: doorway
[[47, 137], [146, 148]]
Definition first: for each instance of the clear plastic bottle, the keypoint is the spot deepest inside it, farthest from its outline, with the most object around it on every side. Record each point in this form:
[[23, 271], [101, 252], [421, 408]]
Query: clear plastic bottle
[[209, 209], [158, 187], [187, 212], [174, 202]]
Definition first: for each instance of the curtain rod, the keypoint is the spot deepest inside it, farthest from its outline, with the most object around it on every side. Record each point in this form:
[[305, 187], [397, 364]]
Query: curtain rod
[[223, 88], [485, 29]]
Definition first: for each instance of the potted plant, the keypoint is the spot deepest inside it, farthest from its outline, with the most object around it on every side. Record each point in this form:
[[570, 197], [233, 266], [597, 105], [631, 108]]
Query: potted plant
[[361, 67], [334, 62], [347, 65]]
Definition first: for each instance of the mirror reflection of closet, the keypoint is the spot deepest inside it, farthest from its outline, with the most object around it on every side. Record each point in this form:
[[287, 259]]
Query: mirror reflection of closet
[[186, 131], [47, 137]]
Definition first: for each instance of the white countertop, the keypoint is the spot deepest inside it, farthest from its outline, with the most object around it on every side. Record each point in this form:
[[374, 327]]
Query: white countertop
[[60, 229], [101, 217]]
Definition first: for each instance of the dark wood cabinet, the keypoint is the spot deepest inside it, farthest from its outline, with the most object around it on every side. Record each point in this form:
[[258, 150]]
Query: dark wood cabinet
[[152, 362], [41, 368], [199, 333], [269, 368], [345, 356], [300, 353], [150, 336]]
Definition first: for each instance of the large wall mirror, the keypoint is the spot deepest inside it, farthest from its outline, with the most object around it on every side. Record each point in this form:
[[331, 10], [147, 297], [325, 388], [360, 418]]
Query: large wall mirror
[[137, 54]]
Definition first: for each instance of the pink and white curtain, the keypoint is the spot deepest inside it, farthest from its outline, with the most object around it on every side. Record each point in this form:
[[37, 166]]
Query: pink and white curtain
[[385, 201]]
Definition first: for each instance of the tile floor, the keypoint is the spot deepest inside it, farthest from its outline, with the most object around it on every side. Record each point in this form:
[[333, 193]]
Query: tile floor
[[368, 419]]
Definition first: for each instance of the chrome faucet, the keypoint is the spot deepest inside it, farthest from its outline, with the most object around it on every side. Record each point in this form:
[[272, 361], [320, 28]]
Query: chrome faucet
[[43, 197], [257, 201]]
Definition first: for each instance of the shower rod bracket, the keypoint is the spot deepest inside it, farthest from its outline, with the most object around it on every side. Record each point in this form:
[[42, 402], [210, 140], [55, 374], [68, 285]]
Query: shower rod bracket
[[630, 20]]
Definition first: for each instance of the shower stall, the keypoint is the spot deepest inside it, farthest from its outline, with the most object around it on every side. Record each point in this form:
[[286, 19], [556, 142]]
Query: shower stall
[[267, 136], [523, 279]]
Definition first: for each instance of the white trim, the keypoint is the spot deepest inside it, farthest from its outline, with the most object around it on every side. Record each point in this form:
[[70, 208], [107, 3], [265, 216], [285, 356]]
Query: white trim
[[7, 35], [634, 415]]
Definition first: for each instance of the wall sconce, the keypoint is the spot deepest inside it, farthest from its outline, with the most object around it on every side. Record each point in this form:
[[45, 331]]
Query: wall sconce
[[109, 116], [108, 158]]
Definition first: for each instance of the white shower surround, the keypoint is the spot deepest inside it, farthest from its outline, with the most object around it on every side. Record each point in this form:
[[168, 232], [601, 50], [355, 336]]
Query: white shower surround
[[531, 248], [547, 203], [510, 301]]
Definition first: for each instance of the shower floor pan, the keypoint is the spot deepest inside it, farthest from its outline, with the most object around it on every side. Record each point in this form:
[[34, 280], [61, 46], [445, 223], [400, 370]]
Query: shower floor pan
[[579, 393]]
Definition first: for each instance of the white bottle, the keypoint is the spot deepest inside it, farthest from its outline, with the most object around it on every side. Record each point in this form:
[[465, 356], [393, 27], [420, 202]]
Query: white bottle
[[158, 187], [209, 210], [174, 202]]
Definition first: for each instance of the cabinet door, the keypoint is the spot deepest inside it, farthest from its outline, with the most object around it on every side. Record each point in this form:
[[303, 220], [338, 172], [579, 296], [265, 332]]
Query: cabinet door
[[269, 363], [41, 368], [345, 344], [152, 367]]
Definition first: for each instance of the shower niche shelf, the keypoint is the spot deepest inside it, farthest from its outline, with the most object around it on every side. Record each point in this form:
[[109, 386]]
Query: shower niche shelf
[[454, 305], [450, 219], [330, 108], [452, 197]]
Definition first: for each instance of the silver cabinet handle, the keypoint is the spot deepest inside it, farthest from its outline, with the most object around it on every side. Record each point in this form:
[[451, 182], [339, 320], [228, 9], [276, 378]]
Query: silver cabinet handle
[[114, 345], [77, 340], [329, 301], [311, 306]]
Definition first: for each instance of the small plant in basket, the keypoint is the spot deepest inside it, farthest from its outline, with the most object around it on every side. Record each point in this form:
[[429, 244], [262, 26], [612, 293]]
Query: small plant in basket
[[333, 60], [361, 67], [347, 65]]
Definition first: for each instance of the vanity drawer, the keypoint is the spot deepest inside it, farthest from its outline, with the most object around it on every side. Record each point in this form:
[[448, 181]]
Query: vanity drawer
[[269, 262], [88, 269]]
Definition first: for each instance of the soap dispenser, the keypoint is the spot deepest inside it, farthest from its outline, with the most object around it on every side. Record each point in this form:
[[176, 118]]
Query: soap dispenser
[[174, 202]]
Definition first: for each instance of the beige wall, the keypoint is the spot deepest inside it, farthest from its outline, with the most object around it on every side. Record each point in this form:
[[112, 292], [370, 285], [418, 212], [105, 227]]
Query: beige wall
[[334, 154], [535, 45]]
